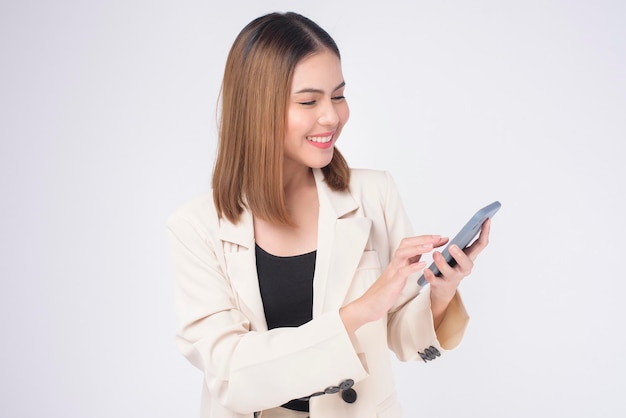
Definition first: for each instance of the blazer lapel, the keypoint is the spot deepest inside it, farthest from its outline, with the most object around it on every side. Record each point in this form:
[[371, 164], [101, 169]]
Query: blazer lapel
[[239, 252], [342, 237]]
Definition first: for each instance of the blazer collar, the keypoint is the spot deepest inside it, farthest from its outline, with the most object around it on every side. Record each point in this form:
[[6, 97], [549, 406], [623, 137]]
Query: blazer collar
[[342, 237], [241, 233], [337, 205]]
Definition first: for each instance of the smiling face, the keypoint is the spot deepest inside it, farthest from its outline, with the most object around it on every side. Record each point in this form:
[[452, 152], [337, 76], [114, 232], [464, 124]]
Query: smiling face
[[316, 112]]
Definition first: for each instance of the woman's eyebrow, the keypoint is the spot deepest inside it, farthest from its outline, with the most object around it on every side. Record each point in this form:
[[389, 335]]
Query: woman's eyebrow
[[320, 91]]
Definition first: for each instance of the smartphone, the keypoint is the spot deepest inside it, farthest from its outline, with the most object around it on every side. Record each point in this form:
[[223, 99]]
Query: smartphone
[[465, 237]]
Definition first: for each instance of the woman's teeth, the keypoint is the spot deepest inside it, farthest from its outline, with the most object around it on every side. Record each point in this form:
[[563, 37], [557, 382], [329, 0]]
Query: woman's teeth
[[322, 139]]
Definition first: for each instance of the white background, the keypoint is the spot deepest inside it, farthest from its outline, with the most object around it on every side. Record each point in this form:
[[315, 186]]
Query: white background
[[107, 124]]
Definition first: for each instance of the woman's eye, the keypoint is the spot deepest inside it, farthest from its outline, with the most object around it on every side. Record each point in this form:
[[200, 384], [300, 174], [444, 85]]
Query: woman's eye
[[314, 102]]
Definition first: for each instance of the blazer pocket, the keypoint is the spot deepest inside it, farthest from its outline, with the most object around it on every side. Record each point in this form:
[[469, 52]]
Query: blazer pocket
[[369, 260], [366, 273]]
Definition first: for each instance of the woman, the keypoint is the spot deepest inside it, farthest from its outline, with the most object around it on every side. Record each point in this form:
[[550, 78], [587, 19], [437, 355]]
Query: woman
[[297, 276]]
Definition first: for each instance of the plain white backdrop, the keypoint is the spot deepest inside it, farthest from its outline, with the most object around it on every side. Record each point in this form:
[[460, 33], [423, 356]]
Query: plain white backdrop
[[108, 123]]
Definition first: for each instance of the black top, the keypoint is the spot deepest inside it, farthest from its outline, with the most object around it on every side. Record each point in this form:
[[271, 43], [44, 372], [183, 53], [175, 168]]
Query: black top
[[286, 285]]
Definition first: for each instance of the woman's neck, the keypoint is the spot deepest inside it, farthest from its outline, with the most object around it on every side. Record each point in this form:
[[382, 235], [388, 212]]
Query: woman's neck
[[302, 205], [295, 180]]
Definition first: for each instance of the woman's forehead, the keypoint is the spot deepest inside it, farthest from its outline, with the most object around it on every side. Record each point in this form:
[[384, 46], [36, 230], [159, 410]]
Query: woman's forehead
[[320, 71]]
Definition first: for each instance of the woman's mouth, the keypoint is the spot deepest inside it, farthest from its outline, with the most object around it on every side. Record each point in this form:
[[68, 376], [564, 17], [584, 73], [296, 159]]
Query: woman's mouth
[[324, 140]]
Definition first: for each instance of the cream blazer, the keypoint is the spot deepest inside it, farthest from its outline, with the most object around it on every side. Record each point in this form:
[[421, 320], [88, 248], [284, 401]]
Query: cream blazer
[[247, 369]]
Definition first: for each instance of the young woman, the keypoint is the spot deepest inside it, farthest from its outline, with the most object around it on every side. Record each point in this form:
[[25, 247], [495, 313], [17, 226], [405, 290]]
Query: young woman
[[297, 276]]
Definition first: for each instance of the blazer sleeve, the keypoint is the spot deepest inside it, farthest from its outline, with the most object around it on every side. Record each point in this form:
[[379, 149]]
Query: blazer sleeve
[[247, 370], [410, 328]]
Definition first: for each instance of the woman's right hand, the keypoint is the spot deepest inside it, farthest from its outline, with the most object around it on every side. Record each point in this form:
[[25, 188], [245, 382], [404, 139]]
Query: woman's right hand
[[383, 293]]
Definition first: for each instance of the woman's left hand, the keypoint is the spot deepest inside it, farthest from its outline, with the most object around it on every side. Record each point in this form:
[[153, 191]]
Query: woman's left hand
[[444, 287]]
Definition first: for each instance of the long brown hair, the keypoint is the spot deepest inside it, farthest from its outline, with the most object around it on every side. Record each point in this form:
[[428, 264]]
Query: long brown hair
[[255, 90]]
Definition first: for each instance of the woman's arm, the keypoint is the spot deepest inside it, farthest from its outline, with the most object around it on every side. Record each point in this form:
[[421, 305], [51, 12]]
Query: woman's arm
[[248, 370], [414, 321], [444, 287]]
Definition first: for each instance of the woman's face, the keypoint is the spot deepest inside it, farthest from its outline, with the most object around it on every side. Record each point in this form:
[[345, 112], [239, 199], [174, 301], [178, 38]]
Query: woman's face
[[316, 112]]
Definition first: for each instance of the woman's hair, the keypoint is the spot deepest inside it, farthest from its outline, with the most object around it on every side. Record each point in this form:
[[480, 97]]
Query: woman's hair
[[255, 92]]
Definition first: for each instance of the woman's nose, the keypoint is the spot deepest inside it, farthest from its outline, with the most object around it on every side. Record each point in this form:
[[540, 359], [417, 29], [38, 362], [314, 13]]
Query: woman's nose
[[328, 115]]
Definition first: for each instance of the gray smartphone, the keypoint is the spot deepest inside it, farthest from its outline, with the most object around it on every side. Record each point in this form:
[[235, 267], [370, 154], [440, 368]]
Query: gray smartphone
[[465, 237]]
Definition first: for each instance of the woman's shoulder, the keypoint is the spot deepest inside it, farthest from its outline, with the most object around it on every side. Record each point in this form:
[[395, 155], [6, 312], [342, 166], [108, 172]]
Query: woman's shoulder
[[368, 174], [198, 212], [373, 188], [370, 180]]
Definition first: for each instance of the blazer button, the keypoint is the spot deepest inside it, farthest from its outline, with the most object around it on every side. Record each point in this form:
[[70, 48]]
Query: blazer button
[[432, 352], [331, 389], [349, 395], [346, 384]]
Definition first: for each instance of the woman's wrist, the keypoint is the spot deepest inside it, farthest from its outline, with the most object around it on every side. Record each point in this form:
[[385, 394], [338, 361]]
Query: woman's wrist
[[353, 316], [439, 306]]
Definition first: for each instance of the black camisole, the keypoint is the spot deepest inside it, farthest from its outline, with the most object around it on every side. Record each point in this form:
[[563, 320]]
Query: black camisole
[[286, 285]]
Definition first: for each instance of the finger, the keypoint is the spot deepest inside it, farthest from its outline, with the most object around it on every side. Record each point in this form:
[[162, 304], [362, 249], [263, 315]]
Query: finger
[[412, 268], [481, 242], [405, 253], [410, 254], [397, 280], [430, 276], [443, 266], [463, 261], [442, 241], [415, 247], [485, 229], [420, 239]]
